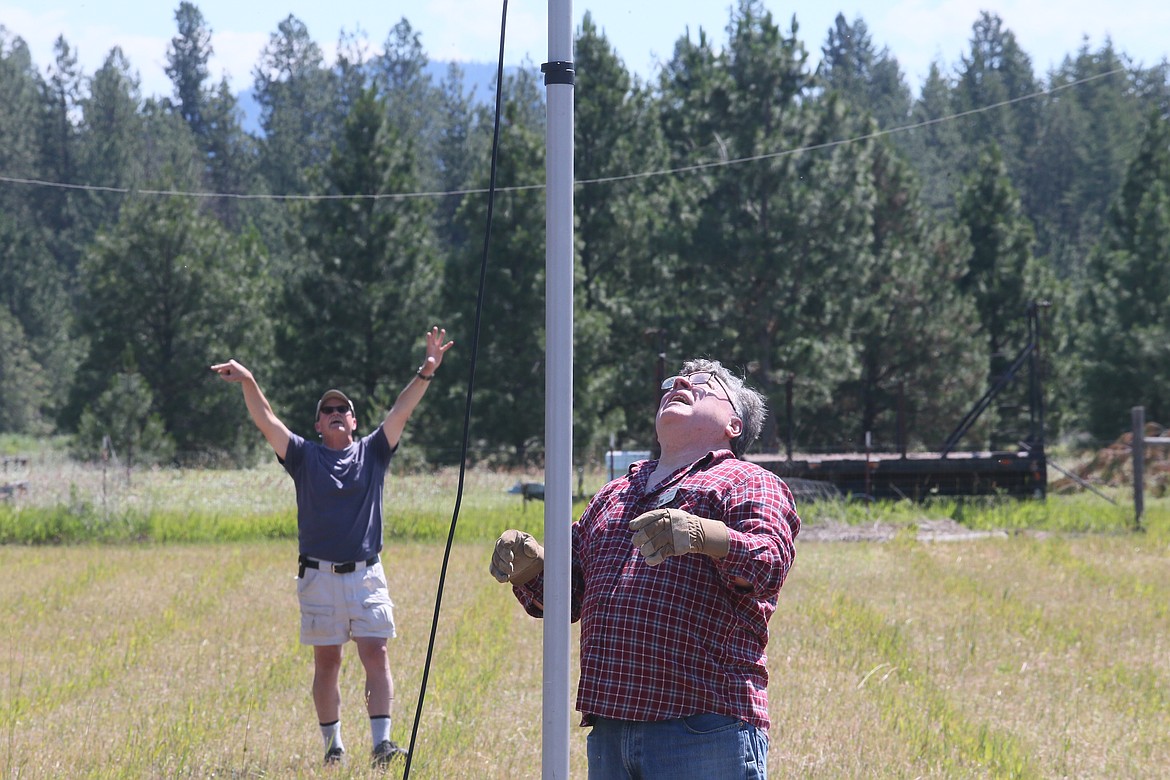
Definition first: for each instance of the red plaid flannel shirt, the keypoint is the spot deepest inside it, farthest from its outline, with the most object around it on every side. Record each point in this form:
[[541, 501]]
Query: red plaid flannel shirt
[[680, 638]]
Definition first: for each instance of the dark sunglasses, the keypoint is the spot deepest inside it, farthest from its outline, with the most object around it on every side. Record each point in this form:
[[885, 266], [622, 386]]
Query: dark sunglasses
[[332, 409]]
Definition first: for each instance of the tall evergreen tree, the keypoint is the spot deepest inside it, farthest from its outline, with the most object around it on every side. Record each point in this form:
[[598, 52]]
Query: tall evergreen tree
[[20, 111], [367, 273], [1090, 129], [413, 102], [867, 78], [165, 289], [33, 284], [1001, 242], [230, 155], [187, 57], [112, 128], [298, 107], [1001, 276], [621, 267], [1125, 297], [780, 239], [60, 95], [457, 148], [997, 73], [353, 72], [921, 363], [111, 144], [212, 113], [508, 413], [935, 145]]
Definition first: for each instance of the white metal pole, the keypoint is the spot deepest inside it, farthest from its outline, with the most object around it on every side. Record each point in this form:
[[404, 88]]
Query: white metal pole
[[558, 498]]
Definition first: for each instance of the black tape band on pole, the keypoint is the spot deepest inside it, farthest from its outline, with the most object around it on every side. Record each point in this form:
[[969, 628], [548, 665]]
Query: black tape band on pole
[[558, 72]]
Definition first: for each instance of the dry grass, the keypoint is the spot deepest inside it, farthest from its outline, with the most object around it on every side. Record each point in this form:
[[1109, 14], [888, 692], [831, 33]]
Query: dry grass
[[1023, 655], [996, 658], [1019, 657], [183, 661], [54, 479]]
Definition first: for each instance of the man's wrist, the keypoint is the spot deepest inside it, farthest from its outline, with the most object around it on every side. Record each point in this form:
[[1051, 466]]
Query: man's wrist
[[711, 537], [424, 377]]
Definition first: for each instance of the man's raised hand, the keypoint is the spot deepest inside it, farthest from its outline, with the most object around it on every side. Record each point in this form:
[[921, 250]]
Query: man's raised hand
[[232, 371]]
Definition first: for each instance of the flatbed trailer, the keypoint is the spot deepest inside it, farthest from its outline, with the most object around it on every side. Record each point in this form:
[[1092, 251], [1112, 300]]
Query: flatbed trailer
[[1020, 473], [916, 476]]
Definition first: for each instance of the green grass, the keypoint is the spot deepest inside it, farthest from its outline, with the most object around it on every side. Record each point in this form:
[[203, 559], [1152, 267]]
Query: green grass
[[74, 503], [153, 620], [986, 658]]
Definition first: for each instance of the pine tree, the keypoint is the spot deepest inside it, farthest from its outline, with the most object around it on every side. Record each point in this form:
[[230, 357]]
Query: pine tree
[[166, 290], [1001, 277], [868, 79], [33, 281], [187, 57], [921, 362], [1127, 353], [508, 412], [778, 242], [619, 306], [299, 108], [997, 73], [366, 274]]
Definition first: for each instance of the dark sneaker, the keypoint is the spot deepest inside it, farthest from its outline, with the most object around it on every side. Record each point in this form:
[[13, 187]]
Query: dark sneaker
[[386, 752], [333, 756]]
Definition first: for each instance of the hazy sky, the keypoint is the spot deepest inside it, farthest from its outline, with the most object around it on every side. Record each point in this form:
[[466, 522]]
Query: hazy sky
[[917, 32]]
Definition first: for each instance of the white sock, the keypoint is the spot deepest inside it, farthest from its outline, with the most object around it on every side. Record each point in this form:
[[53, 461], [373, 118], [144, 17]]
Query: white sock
[[380, 729], [331, 732]]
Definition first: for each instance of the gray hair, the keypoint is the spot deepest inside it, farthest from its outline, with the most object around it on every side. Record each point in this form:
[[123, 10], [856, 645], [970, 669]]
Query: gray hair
[[750, 406]]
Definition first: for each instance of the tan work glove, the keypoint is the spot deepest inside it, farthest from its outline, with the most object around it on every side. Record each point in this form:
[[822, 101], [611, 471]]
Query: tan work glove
[[518, 557], [661, 533]]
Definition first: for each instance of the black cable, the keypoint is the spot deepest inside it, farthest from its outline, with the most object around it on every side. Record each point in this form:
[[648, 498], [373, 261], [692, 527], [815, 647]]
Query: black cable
[[470, 393]]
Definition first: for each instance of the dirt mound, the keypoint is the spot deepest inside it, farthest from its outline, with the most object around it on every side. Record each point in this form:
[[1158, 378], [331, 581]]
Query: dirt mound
[[1113, 466]]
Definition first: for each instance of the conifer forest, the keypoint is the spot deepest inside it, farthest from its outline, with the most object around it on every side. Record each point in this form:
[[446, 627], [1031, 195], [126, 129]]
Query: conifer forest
[[863, 250]]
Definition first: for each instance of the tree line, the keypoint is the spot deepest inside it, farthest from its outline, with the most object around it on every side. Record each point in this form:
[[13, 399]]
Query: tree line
[[863, 255]]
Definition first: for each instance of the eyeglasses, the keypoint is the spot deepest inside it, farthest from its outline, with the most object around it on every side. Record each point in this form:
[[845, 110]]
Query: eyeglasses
[[332, 409], [701, 378]]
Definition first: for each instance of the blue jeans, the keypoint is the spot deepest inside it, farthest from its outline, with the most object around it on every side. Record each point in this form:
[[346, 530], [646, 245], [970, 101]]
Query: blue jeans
[[702, 747]]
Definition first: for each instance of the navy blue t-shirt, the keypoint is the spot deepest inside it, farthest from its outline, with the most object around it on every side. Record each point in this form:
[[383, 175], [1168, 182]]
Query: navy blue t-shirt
[[339, 496]]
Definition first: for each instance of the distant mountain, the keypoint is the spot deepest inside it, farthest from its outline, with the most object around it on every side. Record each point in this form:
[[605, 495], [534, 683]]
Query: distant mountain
[[478, 80]]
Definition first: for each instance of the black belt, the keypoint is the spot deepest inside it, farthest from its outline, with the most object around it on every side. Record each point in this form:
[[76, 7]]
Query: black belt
[[337, 568]]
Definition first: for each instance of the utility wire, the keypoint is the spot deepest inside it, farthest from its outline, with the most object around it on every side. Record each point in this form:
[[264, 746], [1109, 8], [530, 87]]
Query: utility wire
[[422, 691], [580, 182]]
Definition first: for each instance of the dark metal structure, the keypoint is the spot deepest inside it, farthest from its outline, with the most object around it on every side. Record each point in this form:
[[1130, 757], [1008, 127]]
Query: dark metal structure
[[918, 476], [1020, 473]]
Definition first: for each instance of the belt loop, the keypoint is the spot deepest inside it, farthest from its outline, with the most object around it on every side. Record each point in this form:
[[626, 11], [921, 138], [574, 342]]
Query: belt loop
[[300, 570]]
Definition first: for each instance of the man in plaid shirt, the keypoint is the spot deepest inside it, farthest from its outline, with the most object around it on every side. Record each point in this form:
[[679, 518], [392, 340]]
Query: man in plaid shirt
[[676, 568]]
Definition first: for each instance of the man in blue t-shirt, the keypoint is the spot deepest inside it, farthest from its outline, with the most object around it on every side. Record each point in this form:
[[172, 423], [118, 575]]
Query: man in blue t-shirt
[[342, 586]]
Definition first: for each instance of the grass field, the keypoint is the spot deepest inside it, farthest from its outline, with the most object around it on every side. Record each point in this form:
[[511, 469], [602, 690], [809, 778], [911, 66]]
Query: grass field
[[1038, 653]]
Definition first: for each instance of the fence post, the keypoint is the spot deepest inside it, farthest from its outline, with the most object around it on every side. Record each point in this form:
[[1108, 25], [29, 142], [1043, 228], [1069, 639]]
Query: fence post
[[1138, 417]]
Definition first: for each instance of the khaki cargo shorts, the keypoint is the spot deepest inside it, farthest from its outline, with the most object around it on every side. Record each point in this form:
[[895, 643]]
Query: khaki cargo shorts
[[338, 607]]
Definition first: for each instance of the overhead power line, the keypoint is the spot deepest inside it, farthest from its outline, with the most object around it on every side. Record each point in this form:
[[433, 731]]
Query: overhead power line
[[580, 182]]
